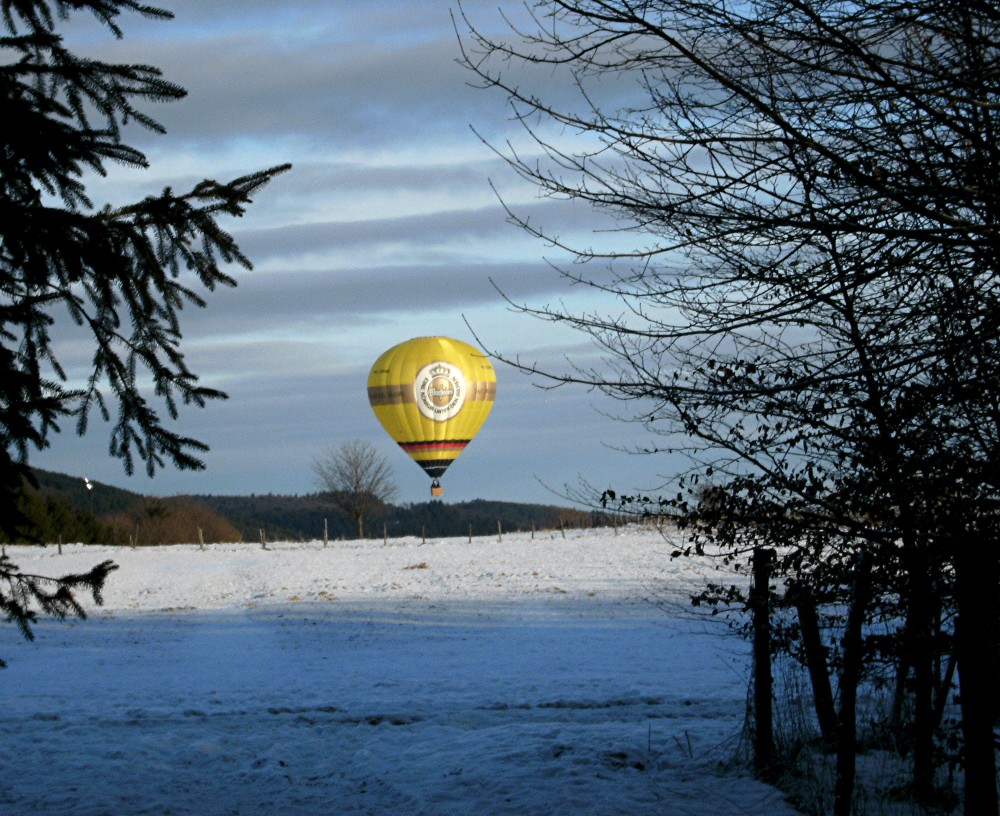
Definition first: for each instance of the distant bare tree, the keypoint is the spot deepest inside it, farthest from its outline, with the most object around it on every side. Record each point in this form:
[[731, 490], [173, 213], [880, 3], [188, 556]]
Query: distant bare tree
[[357, 477]]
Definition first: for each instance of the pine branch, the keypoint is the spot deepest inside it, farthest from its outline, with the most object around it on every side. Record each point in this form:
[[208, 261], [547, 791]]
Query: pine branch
[[21, 592]]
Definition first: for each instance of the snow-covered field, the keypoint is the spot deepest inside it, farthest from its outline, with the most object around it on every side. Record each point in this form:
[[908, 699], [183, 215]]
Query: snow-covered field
[[529, 676]]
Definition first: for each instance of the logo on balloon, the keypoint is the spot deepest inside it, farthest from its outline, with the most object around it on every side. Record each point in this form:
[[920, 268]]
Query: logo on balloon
[[440, 391]]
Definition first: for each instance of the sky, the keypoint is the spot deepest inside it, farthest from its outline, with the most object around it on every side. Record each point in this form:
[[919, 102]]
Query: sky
[[389, 226]]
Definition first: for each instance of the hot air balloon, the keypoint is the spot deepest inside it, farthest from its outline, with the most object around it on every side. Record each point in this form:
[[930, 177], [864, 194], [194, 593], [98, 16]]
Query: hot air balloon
[[432, 394]]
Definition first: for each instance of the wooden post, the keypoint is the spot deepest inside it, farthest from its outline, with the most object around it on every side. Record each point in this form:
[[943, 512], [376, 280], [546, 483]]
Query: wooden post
[[326, 534], [423, 535], [470, 533], [201, 539], [263, 540], [532, 531], [763, 683], [499, 532], [60, 545], [816, 660], [562, 527]]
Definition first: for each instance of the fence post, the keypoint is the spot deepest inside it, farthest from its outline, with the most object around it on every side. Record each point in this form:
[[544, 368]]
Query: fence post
[[263, 540], [326, 534], [201, 539], [499, 532], [816, 660]]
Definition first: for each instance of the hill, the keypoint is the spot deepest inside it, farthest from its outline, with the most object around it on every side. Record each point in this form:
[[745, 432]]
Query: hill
[[300, 518], [99, 499]]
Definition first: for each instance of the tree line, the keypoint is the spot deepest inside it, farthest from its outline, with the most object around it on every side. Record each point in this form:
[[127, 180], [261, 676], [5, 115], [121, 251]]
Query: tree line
[[69, 508]]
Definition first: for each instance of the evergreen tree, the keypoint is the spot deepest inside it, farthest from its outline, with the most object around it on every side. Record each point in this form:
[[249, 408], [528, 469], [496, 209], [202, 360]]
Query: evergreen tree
[[119, 273], [50, 517]]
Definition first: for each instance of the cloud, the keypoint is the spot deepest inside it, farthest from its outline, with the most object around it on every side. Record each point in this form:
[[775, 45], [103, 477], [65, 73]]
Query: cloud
[[425, 230], [353, 77], [361, 293]]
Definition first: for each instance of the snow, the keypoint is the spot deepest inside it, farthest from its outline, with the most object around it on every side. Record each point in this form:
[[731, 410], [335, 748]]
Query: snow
[[532, 675]]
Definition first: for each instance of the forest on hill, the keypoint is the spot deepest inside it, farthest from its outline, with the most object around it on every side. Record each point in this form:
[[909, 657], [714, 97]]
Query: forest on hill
[[72, 508]]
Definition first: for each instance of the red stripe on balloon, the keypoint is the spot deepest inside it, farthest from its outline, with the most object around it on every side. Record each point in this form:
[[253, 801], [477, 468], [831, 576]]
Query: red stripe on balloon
[[426, 447]]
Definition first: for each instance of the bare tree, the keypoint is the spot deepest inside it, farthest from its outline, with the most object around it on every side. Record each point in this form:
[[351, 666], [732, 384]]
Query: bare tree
[[809, 298], [358, 478]]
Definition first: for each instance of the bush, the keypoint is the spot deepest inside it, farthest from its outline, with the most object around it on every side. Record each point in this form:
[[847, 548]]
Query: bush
[[171, 521]]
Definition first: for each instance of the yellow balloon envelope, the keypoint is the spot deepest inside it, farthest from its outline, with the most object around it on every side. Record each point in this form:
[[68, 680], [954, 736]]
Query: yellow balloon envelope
[[432, 394]]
